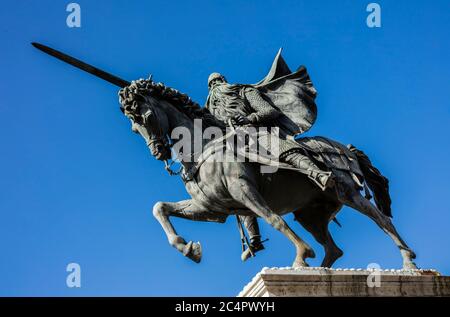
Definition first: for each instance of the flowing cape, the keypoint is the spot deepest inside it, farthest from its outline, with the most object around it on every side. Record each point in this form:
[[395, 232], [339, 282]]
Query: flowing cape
[[292, 93]]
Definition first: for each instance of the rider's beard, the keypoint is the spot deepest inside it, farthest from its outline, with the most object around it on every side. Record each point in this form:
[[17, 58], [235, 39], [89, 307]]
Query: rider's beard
[[225, 101]]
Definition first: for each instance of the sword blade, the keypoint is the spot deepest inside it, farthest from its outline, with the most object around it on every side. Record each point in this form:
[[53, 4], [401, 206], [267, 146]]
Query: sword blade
[[82, 65]]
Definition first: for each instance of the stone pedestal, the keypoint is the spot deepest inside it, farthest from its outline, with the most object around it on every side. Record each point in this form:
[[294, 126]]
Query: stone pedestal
[[346, 282]]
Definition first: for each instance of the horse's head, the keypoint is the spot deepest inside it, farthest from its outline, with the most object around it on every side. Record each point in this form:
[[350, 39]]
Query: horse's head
[[147, 118]]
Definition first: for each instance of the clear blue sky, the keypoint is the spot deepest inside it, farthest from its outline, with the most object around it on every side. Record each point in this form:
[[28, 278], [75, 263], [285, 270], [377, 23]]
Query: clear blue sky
[[77, 185]]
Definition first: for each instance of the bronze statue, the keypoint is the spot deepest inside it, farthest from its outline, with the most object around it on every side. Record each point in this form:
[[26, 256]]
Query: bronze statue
[[315, 179]]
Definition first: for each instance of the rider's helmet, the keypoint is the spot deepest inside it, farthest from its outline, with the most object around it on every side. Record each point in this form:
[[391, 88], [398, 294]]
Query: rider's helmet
[[215, 77]]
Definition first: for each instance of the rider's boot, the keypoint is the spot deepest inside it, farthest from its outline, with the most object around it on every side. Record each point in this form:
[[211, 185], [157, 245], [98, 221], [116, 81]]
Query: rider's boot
[[251, 224], [321, 178]]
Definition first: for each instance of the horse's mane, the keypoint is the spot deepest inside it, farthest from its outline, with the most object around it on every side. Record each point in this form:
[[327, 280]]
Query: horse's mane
[[130, 95]]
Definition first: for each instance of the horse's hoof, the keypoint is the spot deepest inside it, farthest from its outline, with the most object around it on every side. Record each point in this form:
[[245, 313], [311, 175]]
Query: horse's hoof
[[299, 264], [193, 250], [309, 253], [331, 257], [410, 266], [408, 254]]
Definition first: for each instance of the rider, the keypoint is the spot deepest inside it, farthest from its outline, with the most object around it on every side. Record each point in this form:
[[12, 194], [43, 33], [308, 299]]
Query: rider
[[244, 105]]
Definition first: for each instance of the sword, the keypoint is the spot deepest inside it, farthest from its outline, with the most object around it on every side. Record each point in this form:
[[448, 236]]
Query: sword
[[82, 65]]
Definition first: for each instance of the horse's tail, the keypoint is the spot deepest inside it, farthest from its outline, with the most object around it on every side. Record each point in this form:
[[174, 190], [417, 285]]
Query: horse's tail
[[378, 184]]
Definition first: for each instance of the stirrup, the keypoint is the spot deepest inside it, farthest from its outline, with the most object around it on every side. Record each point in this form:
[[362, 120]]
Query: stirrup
[[251, 250]]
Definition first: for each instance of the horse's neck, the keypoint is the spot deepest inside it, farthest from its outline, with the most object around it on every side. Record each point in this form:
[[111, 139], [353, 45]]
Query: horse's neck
[[179, 120]]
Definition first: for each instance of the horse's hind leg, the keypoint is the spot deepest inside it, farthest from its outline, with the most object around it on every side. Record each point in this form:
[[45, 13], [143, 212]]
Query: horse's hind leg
[[384, 222], [188, 210], [332, 251], [245, 193], [315, 220]]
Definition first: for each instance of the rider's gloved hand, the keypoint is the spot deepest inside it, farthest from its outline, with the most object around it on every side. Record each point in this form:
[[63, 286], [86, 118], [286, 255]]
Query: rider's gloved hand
[[239, 119], [253, 118]]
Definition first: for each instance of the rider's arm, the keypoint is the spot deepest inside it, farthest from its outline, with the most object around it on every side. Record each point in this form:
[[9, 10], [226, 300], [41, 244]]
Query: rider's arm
[[264, 111]]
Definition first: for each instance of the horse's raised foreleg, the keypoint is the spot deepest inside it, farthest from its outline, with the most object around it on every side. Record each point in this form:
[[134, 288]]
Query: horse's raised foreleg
[[384, 222], [247, 194], [188, 210]]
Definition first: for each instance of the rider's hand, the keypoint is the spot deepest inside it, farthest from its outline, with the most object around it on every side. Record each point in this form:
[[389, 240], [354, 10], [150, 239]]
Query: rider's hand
[[239, 119], [253, 118]]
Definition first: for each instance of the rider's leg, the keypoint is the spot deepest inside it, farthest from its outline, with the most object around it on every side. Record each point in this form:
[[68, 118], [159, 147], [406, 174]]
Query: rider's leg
[[251, 224], [307, 166]]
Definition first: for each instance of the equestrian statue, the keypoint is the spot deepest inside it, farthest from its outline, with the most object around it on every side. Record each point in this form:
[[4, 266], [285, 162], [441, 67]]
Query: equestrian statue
[[311, 177]]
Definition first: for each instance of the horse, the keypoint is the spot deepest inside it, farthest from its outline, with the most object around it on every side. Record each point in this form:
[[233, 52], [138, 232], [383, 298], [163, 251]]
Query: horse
[[219, 189]]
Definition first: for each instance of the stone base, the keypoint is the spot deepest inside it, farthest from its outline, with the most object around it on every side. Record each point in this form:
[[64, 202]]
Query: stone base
[[346, 282]]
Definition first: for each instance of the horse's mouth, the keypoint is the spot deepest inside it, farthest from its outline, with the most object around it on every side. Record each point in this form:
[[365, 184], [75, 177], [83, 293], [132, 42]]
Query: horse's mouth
[[162, 155]]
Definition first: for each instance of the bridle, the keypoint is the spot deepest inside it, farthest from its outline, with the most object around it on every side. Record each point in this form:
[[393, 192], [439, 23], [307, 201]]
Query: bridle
[[160, 137]]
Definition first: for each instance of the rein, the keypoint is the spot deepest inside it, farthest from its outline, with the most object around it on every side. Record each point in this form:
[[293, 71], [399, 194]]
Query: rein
[[159, 137], [167, 167]]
